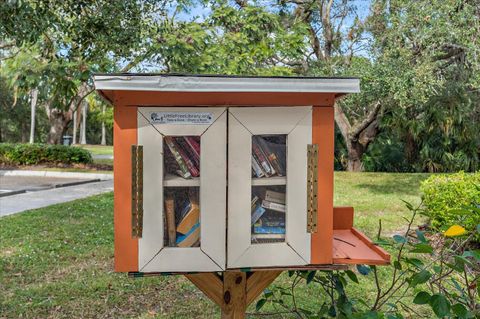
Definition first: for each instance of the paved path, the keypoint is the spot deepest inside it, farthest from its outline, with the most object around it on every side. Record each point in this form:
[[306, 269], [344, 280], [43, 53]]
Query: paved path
[[18, 203]]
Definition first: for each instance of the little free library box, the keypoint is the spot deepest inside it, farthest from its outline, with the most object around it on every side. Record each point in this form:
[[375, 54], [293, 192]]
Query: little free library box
[[221, 174]]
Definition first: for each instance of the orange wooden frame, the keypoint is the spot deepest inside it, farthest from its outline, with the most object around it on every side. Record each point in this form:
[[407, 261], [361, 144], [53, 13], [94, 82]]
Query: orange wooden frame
[[125, 135]]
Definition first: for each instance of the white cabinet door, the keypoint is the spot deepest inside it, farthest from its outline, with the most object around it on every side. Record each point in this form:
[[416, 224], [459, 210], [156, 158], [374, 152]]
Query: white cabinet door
[[202, 199], [267, 194]]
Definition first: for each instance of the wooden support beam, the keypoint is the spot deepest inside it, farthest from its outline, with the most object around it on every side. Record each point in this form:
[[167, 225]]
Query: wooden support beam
[[235, 291], [258, 281], [234, 295], [210, 284]]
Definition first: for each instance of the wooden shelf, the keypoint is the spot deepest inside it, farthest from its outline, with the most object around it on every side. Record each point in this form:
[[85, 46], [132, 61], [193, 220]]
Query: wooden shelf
[[269, 181], [177, 181]]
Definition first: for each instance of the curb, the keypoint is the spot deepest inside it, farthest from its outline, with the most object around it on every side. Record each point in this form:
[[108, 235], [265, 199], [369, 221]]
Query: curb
[[103, 177]]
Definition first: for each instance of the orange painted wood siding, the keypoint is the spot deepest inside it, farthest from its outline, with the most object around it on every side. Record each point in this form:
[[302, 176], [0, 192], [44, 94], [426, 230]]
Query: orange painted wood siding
[[124, 136], [323, 125]]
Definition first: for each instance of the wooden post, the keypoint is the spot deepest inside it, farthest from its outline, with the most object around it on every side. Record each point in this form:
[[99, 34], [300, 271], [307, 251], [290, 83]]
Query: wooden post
[[234, 295], [234, 290]]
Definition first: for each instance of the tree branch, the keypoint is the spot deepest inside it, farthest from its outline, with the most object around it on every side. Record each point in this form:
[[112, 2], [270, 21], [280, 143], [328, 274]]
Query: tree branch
[[342, 122], [371, 116]]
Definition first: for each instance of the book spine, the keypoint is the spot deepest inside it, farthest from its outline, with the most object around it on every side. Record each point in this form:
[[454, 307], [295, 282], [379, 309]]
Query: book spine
[[194, 145], [261, 158], [192, 155], [256, 168], [275, 197], [191, 167], [268, 230], [257, 213], [266, 152], [184, 172], [271, 156], [170, 216], [274, 206]]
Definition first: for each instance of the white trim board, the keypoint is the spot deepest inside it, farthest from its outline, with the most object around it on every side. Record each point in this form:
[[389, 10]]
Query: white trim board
[[243, 123], [210, 256], [172, 83]]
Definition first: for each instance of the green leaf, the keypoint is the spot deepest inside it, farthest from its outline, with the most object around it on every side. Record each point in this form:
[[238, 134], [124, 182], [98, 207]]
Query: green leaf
[[421, 236], [397, 265], [422, 298], [352, 276], [260, 304], [310, 276], [440, 305], [472, 253], [267, 293], [460, 311], [422, 248], [420, 278], [399, 239], [363, 269], [415, 262]]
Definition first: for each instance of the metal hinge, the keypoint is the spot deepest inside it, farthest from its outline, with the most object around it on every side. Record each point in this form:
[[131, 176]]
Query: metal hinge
[[312, 187], [137, 190]]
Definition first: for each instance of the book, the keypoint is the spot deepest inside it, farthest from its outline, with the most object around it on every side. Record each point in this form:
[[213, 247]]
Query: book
[[170, 219], [190, 152], [259, 155], [257, 213], [271, 156], [191, 238], [274, 206], [195, 172], [275, 197], [194, 143], [190, 219], [255, 199], [268, 230], [183, 171], [257, 170], [192, 216]]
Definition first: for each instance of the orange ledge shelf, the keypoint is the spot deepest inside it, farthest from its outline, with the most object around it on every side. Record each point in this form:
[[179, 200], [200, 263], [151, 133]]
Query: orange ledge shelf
[[350, 246]]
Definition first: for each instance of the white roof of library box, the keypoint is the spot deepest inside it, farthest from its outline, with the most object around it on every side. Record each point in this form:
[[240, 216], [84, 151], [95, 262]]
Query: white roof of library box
[[225, 83]]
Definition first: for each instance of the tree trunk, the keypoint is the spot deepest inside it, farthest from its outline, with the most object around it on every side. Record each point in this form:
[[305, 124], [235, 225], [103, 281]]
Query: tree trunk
[[74, 131], [33, 107], [83, 127], [104, 139], [355, 152], [357, 138], [58, 125]]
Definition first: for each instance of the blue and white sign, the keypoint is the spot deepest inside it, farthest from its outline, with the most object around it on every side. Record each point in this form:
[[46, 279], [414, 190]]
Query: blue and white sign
[[192, 118]]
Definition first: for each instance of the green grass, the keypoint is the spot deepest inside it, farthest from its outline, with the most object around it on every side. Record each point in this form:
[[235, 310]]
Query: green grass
[[57, 262], [98, 149]]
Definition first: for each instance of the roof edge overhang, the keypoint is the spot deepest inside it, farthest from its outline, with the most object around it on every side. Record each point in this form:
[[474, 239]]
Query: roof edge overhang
[[224, 84]]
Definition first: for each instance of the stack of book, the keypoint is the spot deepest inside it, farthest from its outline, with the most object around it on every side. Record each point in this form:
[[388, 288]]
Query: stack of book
[[182, 220], [268, 217], [268, 156], [182, 155]]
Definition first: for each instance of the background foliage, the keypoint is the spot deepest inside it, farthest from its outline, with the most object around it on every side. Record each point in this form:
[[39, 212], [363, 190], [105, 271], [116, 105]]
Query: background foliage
[[447, 197], [418, 63]]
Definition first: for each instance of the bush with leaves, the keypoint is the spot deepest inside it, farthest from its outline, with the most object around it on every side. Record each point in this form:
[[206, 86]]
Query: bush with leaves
[[433, 275], [452, 199], [33, 154]]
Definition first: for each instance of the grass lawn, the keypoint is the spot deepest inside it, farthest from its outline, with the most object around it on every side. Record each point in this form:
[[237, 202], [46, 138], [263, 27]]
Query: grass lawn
[[57, 262], [98, 149]]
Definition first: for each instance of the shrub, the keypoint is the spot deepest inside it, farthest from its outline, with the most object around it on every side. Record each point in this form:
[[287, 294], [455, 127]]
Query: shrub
[[33, 154], [446, 196]]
